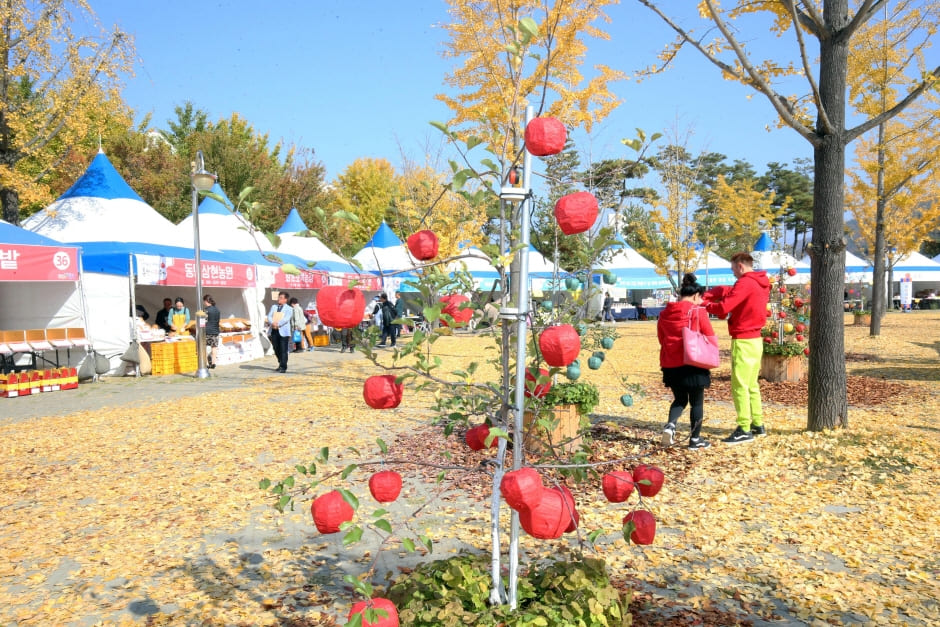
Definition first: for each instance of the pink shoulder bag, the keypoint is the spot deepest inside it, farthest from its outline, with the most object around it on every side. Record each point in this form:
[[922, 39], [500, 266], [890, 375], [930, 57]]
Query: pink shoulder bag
[[698, 350]]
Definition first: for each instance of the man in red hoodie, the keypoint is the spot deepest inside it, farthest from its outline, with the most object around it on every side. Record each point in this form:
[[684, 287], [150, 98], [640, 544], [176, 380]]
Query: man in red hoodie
[[745, 304]]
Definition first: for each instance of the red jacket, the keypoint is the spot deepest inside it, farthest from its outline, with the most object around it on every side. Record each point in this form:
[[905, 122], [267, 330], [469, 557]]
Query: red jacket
[[669, 329], [745, 304]]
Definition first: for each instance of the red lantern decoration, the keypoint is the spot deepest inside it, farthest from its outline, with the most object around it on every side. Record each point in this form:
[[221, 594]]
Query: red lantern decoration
[[644, 526], [340, 307], [545, 136], [381, 392], [576, 212], [798, 302], [389, 620], [550, 517], [329, 511], [534, 389], [800, 327], [617, 486], [574, 518], [423, 245], [454, 307], [782, 315], [806, 351], [560, 345], [522, 488], [385, 486], [791, 271], [476, 438], [783, 290], [652, 474]]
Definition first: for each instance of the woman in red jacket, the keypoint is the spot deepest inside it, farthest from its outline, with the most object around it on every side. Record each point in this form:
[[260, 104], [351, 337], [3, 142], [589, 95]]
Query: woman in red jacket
[[687, 383]]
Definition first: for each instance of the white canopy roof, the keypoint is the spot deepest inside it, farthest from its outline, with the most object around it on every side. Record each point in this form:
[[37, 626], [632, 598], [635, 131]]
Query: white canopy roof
[[220, 229]]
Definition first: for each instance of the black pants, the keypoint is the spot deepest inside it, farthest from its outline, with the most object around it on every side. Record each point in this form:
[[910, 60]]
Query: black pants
[[688, 396], [281, 346], [388, 330]]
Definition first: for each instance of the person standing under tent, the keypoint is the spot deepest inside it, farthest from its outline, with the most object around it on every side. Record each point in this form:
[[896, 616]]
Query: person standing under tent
[[213, 316], [179, 317], [745, 305], [279, 319], [299, 327], [163, 316]]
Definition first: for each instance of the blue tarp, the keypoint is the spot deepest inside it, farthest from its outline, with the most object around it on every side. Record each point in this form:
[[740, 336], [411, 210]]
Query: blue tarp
[[101, 180], [293, 223], [10, 234]]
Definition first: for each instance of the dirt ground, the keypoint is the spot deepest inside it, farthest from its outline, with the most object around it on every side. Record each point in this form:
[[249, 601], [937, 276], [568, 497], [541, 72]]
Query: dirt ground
[[136, 501]]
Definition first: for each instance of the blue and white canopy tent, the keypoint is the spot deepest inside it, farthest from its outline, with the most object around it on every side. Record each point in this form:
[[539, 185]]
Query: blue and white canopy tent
[[295, 240], [220, 228], [386, 256], [630, 271], [475, 262], [767, 258], [711, 270]]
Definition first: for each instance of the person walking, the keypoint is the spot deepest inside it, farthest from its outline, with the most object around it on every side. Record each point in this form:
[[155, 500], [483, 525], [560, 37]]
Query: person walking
[[298, 326], [213, 329], [399, 314], [279, 319], [745, 305], [608, 316], [687, 383], [386, 311]]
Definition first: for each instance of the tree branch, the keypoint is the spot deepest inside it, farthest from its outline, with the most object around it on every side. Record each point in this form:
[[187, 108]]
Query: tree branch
[[864, 13], [807, 69], [932, 78], [811, 18]]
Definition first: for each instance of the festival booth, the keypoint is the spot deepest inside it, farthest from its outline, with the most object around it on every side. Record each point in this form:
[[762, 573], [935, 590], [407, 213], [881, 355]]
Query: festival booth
[[918, 279], [710, 270], [627, 275], [773, 261], [41, 302], [386, 256]]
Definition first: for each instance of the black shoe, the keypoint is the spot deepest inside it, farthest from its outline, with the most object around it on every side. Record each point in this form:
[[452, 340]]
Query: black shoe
[[669, 433], [280, 369], [757, 430], [695, 443], [739, 437], [212, 365]]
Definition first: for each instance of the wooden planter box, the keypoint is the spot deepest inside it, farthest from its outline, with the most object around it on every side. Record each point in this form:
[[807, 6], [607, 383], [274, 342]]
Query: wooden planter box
[[862, 320], [776, 368], [569, 421]]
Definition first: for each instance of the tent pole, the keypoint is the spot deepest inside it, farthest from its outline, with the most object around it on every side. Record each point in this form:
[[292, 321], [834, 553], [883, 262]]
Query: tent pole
[[81, 294], [130, 282]]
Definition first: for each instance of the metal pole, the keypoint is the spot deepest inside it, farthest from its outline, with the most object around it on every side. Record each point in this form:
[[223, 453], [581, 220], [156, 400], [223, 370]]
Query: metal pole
[[522, 299], [201, 371]]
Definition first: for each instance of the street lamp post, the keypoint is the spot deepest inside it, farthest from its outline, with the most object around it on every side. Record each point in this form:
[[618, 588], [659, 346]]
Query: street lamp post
[[202, 182]]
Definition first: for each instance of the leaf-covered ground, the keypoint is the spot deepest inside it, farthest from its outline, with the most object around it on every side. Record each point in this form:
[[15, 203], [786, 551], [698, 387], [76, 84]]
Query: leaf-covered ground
[[150, 513]]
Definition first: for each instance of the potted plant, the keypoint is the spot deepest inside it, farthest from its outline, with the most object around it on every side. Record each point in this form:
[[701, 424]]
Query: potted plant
[[785, 334], [862, 317], [562, 415]]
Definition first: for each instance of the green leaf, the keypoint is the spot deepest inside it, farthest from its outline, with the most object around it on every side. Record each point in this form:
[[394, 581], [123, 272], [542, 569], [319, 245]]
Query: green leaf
[[426, 541], [354, 535], [342, 214], [354, 451], [528, 26], [354, 621], [347, 470], [489, 163], [473, 141], [493, 434], [460, 178], [350, 498], [301, 469], [512, 49], [289, 481], [440, 476], [408, 545], [323, 455], [382, 445], [379, 513], [264, 484], [628, 530], [283, 501], [384, 525], [242, 195], [441, 127], [592, 537]]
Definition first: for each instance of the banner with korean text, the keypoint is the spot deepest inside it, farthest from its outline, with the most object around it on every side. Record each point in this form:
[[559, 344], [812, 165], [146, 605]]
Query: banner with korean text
[[20, 262], [156, 270]]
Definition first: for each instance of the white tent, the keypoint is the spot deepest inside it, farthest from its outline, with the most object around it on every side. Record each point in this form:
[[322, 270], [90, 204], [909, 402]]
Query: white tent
[[711, 270], [220, 229], [632, 271], [773, 261], [474, 261], [102, 207], [384, 254], [296, 240]]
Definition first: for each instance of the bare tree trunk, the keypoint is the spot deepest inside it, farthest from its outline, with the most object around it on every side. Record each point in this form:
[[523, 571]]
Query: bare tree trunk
[[878, 302], [10, 200], [828, 402]]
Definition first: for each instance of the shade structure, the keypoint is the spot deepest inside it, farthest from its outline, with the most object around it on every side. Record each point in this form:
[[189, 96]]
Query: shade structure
[[710, 270], [220, 228], [773, 261], [475, 262], [857, 270], [101, 207], [631, 270], [387, 256], [297, 240], [917, 267]]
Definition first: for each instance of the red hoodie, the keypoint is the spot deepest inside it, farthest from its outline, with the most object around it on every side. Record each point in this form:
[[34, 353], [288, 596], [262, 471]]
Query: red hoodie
[[669, 329], [745, 304]]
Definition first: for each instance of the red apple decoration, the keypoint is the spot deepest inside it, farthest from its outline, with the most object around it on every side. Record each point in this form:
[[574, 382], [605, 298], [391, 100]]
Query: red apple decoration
[[644, 526], [423, 245], [774, 335], [385, 486], [522, 488], [782, 315], [476, 437], [800, 327], [545, 136], [799, 338], [574, 518], [798, 302], [378, 603], [455, 307], [340, 307], [654, 475], [550, 517], [533, 389], [783, 290], [767, 340], [560, 345], [791, 271], [576, 213], [806, 351], [329, 511], [617, 486], [381, 392]]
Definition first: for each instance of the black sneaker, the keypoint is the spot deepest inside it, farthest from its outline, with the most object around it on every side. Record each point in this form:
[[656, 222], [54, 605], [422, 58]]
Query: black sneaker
[[739, 436], [695, 443], [757, 430], [669, 433]]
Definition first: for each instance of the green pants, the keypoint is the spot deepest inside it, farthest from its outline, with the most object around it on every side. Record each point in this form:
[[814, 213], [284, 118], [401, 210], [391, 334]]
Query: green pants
[[745, 391]]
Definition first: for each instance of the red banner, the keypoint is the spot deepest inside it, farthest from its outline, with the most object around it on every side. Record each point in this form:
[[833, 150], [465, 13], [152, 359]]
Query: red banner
[[154, 270], [365, 281], [306, 280], [19, 262]]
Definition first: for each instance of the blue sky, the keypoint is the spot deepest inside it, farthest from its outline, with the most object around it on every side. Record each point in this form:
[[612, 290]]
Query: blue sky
[[357, 78]]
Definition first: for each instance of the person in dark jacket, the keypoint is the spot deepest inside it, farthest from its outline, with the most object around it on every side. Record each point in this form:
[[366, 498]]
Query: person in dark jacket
[[163, 316], [745, 305], [387, 310], [213, 330], [687, 383]]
